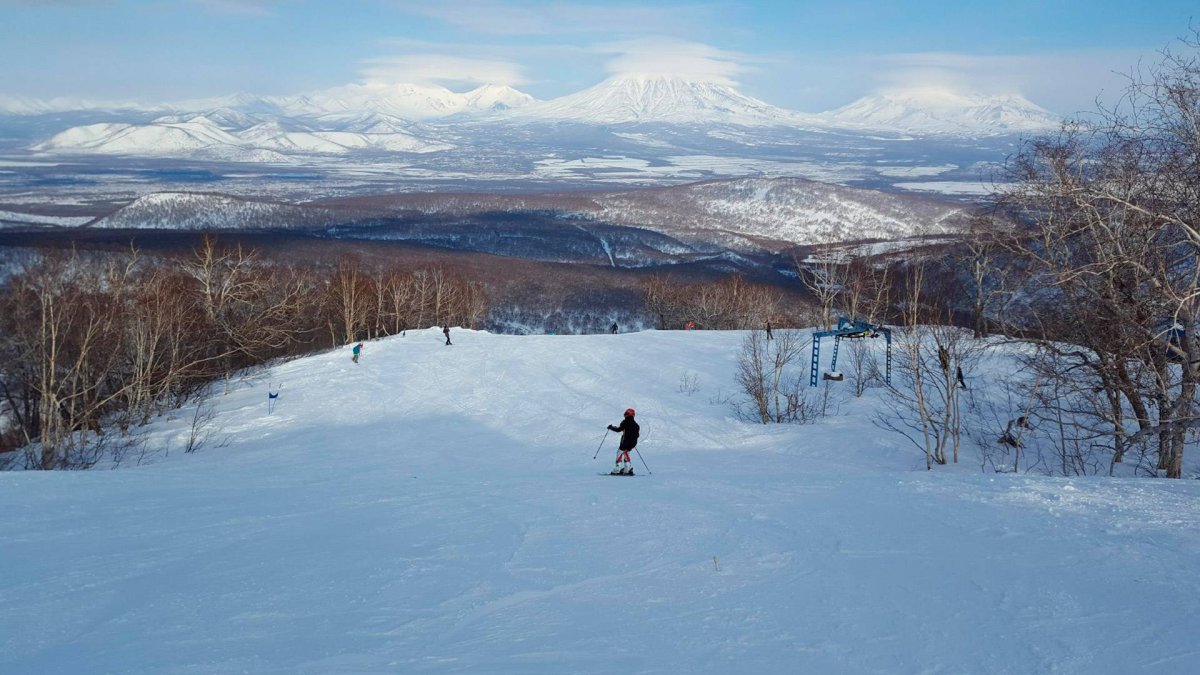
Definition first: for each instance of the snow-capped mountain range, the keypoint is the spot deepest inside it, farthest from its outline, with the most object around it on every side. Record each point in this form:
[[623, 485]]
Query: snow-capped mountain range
[[26, 105], [943, 111], [230, 136], [419, 118], [406, 101]]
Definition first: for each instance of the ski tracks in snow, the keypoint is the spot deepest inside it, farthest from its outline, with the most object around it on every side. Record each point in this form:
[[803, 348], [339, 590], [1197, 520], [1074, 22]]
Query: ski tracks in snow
[[436, 508]]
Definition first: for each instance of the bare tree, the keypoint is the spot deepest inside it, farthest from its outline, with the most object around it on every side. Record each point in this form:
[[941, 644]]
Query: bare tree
[[773, 376], [398, 289], [350, 295], [473, 300], [728, 304], [988, 270], [252, 310], [165, 361], [1114, 211], [924, 402], [823, 274], [66, 325]]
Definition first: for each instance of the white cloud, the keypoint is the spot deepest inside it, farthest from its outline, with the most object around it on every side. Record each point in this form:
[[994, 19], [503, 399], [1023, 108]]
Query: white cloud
[[487, 63], [665, 56], [511, 51], [440, 69], [1065, 82], [539, 18], [985, 74]]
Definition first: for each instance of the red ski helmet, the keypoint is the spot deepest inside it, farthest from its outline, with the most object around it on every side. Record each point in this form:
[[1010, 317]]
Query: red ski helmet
[[630, 412]]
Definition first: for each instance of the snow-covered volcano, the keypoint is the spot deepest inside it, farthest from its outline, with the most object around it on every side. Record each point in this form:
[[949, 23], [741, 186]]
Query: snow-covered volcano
[[632, 99], [943, 111]]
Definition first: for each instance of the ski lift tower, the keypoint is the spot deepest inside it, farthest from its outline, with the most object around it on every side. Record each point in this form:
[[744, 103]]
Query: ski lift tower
[[846, 330]]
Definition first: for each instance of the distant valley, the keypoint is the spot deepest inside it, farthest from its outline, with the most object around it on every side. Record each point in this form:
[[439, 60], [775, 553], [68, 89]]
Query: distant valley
[[621, 228]]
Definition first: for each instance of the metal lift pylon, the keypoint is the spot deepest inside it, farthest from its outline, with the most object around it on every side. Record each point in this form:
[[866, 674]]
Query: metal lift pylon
[[848, 330]]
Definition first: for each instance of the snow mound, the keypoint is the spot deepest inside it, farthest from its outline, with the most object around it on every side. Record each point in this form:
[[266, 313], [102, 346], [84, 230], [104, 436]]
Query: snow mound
[[198, 211], [790, 210]]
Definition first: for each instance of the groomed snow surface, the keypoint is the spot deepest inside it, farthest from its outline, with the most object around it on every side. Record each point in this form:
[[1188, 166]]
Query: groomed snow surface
[[437, 509]]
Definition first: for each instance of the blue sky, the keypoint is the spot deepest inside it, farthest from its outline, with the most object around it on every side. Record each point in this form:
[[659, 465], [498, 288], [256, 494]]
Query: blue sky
[[804, 55]]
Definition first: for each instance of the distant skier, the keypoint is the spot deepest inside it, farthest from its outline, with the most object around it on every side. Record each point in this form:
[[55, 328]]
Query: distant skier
[[613, 330], [768, 330], [357, 350], [446, 332], [629, 437]]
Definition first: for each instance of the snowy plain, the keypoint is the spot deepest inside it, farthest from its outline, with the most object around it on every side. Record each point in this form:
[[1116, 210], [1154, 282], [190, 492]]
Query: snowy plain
[[437, 509], [7, 217]]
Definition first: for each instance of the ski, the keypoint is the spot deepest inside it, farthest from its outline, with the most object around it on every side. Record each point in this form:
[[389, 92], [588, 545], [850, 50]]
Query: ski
[[623, 475]]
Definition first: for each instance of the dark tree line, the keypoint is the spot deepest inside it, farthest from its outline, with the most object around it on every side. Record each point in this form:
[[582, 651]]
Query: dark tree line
[[731, 303], [97, 343]]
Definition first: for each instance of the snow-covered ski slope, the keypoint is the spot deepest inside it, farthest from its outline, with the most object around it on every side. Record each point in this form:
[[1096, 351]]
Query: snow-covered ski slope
[[437, 509]]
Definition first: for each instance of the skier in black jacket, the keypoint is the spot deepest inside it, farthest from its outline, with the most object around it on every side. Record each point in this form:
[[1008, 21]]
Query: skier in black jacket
[[629, 437]]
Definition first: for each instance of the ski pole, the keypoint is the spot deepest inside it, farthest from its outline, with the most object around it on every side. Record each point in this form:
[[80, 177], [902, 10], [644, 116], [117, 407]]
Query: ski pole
[[600, 446], [639, 452]]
